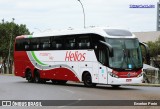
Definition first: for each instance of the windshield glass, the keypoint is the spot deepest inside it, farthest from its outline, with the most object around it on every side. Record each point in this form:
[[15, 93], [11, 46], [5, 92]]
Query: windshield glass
[[127, 53]]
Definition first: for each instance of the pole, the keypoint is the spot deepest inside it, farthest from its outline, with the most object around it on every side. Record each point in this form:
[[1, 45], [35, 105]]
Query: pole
[[83, 13], [10, 45]]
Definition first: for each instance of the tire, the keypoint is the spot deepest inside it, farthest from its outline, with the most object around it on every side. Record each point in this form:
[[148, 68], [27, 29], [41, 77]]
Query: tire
[[43, 81], [54, 81], [29, 76], [87, 79], [37, 78]]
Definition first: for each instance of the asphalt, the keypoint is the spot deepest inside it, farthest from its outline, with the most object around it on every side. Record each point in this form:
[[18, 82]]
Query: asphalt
[[17, 88]]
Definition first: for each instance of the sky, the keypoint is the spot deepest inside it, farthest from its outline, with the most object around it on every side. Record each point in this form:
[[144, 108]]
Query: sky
[[47, 15]]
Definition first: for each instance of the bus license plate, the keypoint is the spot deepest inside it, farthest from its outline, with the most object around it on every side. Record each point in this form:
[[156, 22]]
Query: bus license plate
[[128, 80]]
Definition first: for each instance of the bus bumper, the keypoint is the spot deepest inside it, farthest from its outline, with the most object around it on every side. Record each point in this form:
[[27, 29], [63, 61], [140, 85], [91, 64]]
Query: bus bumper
[[123, 81]]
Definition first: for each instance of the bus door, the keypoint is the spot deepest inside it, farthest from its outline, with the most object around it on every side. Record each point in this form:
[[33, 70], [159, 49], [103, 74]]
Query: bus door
[[102, 57]]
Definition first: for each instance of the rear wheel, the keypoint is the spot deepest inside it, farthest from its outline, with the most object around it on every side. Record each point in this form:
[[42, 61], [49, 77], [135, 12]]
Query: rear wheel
[[43, 81], [37, 78], [87, 79], [29, 76]]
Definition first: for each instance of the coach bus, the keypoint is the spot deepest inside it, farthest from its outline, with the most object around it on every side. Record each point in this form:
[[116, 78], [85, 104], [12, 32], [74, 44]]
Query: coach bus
[[92, 56]]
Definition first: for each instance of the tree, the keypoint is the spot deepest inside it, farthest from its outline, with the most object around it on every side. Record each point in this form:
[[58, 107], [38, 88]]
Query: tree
[[154, 48], [8, 32]]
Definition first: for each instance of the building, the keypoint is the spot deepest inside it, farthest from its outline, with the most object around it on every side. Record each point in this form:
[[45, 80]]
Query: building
[[147, 36]]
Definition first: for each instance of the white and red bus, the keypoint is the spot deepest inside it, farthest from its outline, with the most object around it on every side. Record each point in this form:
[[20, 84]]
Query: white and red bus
[[93, 56]]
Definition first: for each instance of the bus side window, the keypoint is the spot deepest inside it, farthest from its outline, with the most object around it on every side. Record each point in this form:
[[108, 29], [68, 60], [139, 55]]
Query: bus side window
[[58, 46], [26, 44], [102, 56], [19, 45], [57, 43], [53, 45], [45, 43], [70, 42], [84, 42], [34, 43], [26, 47]]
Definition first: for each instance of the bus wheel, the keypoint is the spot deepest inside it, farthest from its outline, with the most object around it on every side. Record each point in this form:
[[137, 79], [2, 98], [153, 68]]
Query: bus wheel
[[43, 81], [88, 80], [37, 78], [62, 82], [29, 76], [54, 81], [115, 86]]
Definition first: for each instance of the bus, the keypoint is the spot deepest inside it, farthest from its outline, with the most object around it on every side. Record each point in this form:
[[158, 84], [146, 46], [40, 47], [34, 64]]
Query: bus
[[92, 56]]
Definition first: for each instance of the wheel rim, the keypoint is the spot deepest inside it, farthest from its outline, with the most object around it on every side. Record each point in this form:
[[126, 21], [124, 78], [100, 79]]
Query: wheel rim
[[88, 80], [37, 78], [29, 76]]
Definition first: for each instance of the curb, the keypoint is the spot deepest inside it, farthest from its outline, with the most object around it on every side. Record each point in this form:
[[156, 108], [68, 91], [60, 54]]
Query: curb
[[7, 74], [145, 84]]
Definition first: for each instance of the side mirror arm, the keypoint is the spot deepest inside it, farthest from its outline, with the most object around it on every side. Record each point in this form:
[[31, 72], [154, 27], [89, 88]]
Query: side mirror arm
[[110, 48], [147, 52]]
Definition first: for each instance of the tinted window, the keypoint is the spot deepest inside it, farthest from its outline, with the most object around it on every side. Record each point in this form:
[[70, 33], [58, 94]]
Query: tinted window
[[70, 42], [27, 45], [33, 45], [84, 42], [19, 44], [57, 43], [45, 43]]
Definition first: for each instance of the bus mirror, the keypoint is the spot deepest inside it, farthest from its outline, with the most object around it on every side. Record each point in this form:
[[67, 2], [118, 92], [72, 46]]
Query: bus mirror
[[147, 54], [109, 47]]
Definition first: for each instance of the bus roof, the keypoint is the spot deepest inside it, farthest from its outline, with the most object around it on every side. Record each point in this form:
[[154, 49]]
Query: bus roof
[[105, 32]]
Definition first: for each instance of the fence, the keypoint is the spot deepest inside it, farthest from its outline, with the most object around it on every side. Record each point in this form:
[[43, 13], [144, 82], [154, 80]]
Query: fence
[[152, 76]]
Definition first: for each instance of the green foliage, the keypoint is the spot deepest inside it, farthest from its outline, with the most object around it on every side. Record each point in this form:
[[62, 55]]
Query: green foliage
[[154, 48], [8, 32]]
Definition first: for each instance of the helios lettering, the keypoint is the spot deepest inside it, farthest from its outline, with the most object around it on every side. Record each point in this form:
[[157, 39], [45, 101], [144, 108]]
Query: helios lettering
[[75, 56]]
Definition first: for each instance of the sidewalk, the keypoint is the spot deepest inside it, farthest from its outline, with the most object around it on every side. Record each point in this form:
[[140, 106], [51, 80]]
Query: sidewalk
[[7, 74]]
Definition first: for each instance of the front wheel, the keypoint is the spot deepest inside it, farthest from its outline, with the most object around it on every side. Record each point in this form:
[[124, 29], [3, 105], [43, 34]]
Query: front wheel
[[29, 76], [87, 79]]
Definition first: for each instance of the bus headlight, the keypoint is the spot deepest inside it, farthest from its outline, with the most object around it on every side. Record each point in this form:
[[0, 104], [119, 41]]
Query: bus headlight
[[113, 75], [140, 75]]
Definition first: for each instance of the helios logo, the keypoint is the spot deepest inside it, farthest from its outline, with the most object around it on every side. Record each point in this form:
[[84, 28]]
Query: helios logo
[[75, 56]]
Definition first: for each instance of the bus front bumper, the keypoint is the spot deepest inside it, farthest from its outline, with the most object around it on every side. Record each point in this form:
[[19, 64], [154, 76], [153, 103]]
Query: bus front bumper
[[123, 81]]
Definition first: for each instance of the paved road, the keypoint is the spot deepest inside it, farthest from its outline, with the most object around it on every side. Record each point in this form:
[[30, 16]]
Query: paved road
[[17, 88]]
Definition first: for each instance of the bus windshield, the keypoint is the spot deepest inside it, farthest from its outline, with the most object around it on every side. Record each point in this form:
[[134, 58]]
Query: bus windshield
[[126, 54]]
